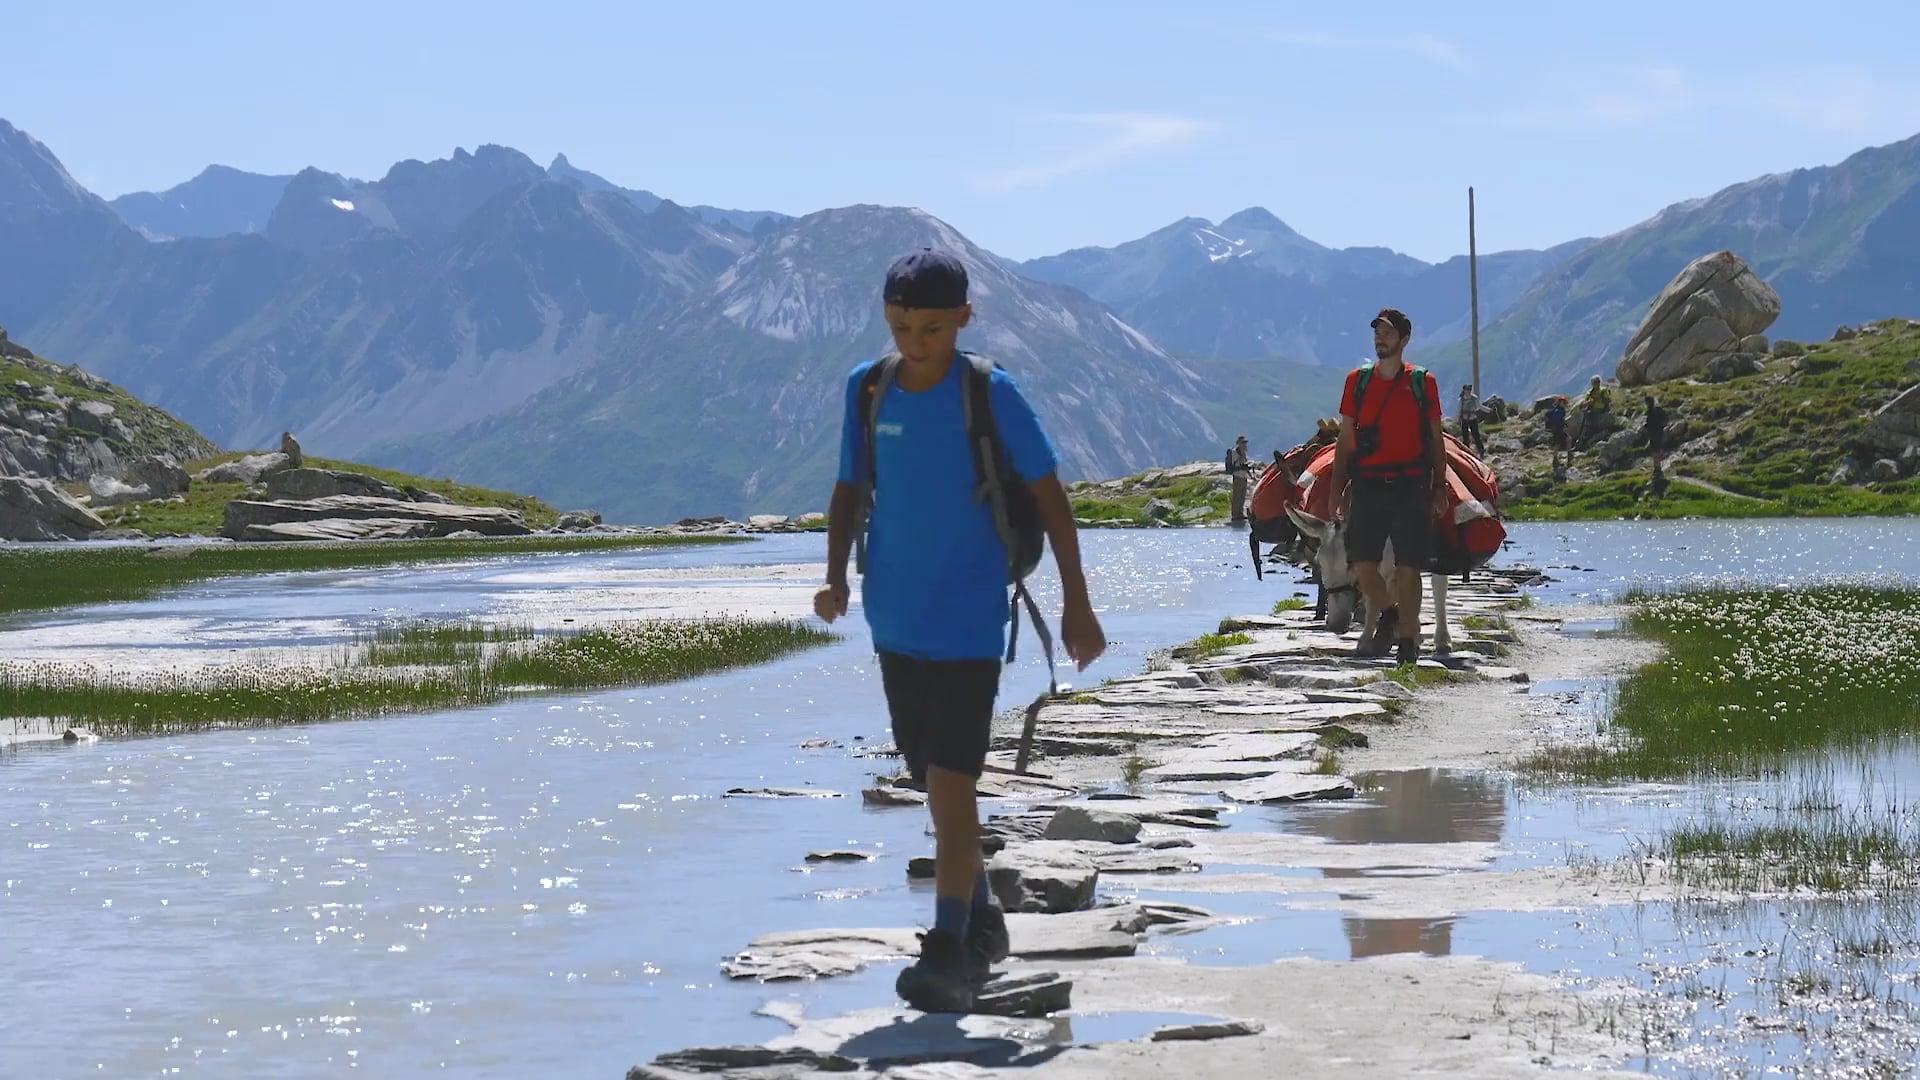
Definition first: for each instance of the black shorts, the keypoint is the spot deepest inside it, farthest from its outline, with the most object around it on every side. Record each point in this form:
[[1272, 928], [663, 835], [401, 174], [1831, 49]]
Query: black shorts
[[942, 711], [1399, 510]]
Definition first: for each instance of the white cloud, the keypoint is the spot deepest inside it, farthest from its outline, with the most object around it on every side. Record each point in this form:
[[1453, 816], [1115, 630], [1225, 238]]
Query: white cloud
[[1118, 136]]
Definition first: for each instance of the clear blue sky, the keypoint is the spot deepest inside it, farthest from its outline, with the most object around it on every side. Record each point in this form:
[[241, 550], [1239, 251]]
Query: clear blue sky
[[1031, 126]]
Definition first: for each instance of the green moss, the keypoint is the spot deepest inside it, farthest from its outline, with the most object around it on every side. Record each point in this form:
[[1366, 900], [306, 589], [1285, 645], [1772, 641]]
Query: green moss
[[1291, 603], [1208, 645]]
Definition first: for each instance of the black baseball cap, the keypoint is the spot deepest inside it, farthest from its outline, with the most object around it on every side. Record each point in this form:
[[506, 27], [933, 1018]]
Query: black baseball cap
[[925, 278], [1395, 318]]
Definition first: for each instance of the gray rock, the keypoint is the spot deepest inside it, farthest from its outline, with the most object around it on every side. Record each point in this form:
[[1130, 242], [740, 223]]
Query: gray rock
[[726, 1058], [34, 509], [1085, 823], [1193, 1032], [1845, 333], [159, 475], [779, 793], [1786, 348], [1158, 509], [1043, 876], [246, 470], [1708, 307], [838, 856], [892, 796], [487, 520], [577, 520], [1278, 787], [884, 1040], [1753, 343], [321, 483], [1037, 994], [108, 491], [340, 529], [89, 416], [1725, 367], [1886, 470], [290, 446], [415, 494]]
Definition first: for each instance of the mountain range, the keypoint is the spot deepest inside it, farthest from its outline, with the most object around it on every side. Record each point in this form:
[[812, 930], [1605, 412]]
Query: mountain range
[[548, 330]]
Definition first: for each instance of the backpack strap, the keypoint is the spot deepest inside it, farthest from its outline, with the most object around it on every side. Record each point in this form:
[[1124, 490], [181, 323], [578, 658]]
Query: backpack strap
[[873, 387], [993, 470]]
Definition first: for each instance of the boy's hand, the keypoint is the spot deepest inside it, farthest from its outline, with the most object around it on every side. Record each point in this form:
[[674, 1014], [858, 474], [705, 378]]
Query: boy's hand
[[1081, 634], [831, 601]]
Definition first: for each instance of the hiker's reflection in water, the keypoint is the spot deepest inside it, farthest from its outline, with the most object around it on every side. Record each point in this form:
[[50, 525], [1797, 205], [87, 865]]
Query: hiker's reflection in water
[[1420, 806]]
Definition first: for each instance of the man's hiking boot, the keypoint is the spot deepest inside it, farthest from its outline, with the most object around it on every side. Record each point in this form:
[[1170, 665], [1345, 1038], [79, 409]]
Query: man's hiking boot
[[942, 980], [987, 936], [1409, 652]]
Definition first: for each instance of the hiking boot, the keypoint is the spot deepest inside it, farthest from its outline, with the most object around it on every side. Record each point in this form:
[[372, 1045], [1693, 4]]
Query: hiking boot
[[987, 937], [942, 980], [1409, 652]]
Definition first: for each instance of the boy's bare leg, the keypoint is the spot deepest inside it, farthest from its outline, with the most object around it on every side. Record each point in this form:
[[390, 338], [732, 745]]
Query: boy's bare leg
[[954, 804]]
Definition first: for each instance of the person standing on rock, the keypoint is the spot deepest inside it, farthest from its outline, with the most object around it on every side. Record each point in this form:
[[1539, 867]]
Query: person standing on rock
[[1239, 469], [1470, 419], [935, 587], [1656, 430], [1391, 444]]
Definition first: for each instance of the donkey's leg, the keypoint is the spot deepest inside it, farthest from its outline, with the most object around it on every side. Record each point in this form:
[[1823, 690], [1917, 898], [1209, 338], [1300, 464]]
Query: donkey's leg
[[1442, 639]]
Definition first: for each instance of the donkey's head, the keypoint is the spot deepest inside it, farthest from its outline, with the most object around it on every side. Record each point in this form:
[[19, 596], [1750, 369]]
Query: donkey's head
[[1333, 568]]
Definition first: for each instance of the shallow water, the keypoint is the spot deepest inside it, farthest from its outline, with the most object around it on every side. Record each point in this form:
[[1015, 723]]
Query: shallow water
[[550, 886]]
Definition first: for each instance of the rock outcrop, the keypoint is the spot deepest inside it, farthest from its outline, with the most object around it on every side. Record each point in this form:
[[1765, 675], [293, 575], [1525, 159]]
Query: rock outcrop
[[1714, 306], [63, 424], [303, 483], [249, 519], [1896, 425], [35, 509], [246, 470]]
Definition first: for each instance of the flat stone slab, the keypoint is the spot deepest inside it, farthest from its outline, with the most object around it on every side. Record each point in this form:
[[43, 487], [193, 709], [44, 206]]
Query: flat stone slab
[[1323, 713], [889, 1037], [1322, 678], [779, 793], [892, 796], [1213, 771], [1196, 1032], [819, 954], [1294, 784]]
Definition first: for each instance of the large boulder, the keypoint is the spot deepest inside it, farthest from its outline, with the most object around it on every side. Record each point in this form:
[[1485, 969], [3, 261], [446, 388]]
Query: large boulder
[[319, 483], [246, 470], [243, 515], [35, 509], [160, 475], [1896, 425], [1708, 308]]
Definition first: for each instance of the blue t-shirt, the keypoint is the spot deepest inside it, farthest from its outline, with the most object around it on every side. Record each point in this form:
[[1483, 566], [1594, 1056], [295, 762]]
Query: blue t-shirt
[[936, 580]]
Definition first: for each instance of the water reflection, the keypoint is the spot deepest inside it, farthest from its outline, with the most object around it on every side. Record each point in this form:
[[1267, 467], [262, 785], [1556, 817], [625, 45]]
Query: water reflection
[[1414, 806]]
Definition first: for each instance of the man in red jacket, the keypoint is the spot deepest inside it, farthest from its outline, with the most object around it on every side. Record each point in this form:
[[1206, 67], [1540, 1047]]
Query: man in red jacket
[[1390, 444]]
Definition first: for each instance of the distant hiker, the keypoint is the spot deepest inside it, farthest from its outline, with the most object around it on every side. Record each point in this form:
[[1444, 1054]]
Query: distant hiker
[[1656, 430], [1596, 413], [1556, 420], [1470, 419], [1390, 442], [935, 568], [1239, 469]]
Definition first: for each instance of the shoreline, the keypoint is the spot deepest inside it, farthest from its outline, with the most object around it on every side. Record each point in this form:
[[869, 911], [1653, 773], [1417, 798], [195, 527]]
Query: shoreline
[[1254, 714]]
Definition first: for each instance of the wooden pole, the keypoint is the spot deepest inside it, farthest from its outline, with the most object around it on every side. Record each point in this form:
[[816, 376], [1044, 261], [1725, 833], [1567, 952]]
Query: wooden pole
[[1473, 287]]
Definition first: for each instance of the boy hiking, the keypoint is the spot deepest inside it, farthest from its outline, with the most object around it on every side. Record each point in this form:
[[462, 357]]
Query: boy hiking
[[936, 571]]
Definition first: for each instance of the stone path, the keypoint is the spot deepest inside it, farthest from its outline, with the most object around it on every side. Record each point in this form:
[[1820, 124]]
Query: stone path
[[1198, 736]]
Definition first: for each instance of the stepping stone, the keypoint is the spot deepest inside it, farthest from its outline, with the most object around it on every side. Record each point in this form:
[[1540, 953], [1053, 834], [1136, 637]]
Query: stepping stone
[[1087, 823], [1194, 1032], [1310, 713], [838, 856], [1043, 876], [892, 796], [779, 793], [1295, 784], [1037, 994]]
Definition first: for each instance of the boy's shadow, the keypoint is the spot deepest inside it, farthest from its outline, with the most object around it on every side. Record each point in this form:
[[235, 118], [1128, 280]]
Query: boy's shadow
[[929, 1037]]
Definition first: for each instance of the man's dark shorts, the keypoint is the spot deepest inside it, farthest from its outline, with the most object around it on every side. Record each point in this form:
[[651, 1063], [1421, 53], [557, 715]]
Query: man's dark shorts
[[1398, 509], [942, 711]]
